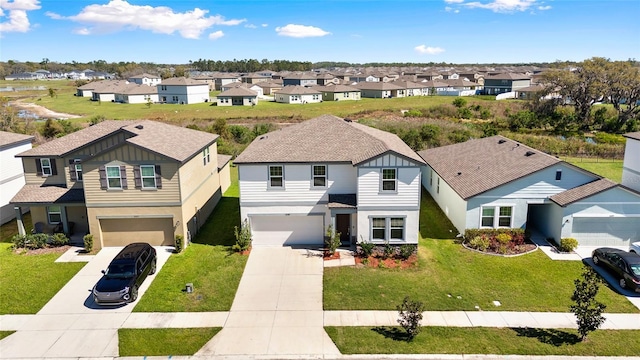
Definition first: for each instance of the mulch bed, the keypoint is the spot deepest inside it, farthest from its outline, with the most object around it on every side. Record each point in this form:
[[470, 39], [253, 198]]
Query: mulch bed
[[44, 250], [326, 256], [390, 263], [518, 250]]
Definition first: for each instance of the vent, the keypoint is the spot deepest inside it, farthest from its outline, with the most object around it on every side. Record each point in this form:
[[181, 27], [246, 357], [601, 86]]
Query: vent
[[139, 127], [348, 120], [502, 141], [264, 137], [529, 153]]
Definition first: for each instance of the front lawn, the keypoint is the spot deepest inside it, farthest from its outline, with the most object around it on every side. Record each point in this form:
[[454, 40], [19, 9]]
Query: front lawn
[[30, 281], [449, 277], [8, 230], [163, 342], [501, 341], [208, 263]]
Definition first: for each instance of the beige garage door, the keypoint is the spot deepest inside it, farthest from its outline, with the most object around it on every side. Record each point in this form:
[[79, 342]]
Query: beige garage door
[[120, 232]]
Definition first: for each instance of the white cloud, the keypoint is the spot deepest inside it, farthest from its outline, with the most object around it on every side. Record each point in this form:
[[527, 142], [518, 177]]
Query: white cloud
[[450, 9], [216, 35], [264, 25], [250, 26], [301, 31], [454, 1], [82, 31], [18, 21], [119, 15], [543, 8], [423, 49], [503, 6]]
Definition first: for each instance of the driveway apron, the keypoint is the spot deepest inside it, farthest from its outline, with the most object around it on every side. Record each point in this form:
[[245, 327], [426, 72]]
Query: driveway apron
[[277, 309], [71, 325]]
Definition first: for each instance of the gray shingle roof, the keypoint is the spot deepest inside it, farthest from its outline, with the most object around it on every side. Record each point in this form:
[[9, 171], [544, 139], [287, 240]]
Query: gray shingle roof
[[36, 194], [508, 76], [182, 81], [582, 192], [238, 91], [174, 142], [326, 138], [633, 135], [336, 88], [7, 139], [223, 160], [296, 90], [476, 166], [378, 85], [139, 90]]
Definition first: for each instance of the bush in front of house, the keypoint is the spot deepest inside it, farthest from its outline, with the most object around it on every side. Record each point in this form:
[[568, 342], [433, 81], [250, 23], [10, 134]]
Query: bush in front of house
[[179, 243], [568, 244], [59, 239], [243, 237], [498, 241], [88, 243], [407, 250]]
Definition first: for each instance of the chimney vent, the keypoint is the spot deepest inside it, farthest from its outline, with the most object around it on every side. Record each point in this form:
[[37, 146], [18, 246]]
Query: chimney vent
[[139, 127]]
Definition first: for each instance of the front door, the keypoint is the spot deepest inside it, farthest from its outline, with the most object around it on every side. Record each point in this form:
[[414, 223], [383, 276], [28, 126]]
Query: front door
[[343, 226]]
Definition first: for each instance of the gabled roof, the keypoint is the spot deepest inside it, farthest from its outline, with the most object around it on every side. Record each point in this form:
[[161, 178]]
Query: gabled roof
[[135, 89], [238, 91], [7, 139], [326, 138], [508, 76], [296, 90], [407, 84], [376, 85], [582, 192], [144, 75], [173, 142], [182, 81], [479, 165], [301, 76], [633, 135], [459, 82], [42, 194], [336, 88]]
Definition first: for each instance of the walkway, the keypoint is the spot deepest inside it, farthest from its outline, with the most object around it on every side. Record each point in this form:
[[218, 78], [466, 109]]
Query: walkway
[[277, 309]]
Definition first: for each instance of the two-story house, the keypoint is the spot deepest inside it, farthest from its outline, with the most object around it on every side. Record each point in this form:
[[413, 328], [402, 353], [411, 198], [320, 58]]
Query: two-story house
[[124, 181], [506, 82], [362, 181], [183, 90], [145, 79], [302, 79], [496, 182], [11, 176]]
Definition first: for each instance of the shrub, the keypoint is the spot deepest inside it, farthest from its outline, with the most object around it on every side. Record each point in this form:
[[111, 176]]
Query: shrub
[[465, 113], [409, 316], [263, 128], [88, 242], [568, 244], [413, 113], [241, 134], [366, 248], [36, 241], [587, 309], [19, 241], [459, 102], [59, 239], [179, 243], [332, 240], [407, 250], [388, 251], [479, 242], [243, 237], [458, 136]]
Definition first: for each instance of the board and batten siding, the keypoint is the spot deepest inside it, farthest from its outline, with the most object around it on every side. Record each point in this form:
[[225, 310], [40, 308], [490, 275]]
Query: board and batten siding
[[97, 197], [631, 165], [254, 179], [407, 195], [454, 207]]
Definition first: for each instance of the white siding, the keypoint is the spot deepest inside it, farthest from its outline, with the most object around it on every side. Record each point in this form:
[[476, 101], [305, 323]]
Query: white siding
[[11, 178], [448, 200], [631, 167], [412, 219]]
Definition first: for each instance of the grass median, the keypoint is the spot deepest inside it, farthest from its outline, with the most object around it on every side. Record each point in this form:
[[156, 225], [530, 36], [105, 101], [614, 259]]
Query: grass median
[[163, 342]]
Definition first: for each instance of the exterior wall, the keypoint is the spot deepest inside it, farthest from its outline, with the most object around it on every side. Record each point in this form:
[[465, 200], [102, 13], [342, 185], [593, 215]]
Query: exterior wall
[[104, 97], [138, 99], [298, 99], [370, 194], [411, 217], [11, 178], [31, 176], [225, 177], [338, 96], [447, 199], [533, 189], [219, 83], [631, 166], [376, 94], [191, 94], [237, 100]]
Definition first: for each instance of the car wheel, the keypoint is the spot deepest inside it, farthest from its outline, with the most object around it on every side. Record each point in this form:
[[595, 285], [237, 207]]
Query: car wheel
[[623, 283], [152, 270], [134, 293], [596, 260]]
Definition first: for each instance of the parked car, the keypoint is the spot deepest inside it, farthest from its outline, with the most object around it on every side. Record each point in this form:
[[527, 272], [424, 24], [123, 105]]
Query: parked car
[[635, 247], [625, 265], [126, 272]]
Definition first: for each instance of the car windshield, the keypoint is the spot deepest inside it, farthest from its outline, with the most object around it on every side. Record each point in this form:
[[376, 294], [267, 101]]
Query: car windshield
[[635, 268], [120, 271]]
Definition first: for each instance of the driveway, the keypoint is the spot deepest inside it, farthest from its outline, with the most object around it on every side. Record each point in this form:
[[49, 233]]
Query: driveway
[[277, 310], [70, 324]]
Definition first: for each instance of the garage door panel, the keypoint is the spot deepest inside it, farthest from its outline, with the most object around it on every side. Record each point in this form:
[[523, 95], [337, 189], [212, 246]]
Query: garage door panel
[[606, 231], [286, 230], [120, 232]]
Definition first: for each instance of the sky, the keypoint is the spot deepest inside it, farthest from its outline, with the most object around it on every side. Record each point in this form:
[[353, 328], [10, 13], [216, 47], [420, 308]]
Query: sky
[[355, 31]]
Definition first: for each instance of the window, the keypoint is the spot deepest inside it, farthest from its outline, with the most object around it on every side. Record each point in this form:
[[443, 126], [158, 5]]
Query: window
[[496, 216], [431, 178], [378, 228], [45, 167], [558, 175], [389, 179], [205, 156], [163, 87], [54, 214], [113, 177], [319, 176], [148, 176], [438, 186], [78, 168], [397, 228], [384, 228], [276, 179], [174, 98]]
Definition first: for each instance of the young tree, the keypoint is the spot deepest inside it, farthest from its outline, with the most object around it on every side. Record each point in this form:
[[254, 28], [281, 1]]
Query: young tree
[[410, 315], [587, 310]]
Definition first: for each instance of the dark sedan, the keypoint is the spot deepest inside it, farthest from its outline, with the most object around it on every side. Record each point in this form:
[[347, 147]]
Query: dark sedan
[[624, 264], [126, 272]]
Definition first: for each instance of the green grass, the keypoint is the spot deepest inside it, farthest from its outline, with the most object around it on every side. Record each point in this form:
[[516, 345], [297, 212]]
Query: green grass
[[30, 281], [208, 263], [8, 230], [611, 169], [501, 341], [5, 333], [163, 342], [449, 277]]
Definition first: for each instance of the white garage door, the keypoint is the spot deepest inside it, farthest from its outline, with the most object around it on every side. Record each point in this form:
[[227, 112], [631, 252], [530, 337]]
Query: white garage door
[[120, 232], [606, 231], [279, 230]]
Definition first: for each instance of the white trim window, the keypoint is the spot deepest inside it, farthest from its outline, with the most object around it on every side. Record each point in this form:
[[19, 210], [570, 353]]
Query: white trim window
[[206, 157], [276, 176], [389, 180], [496, 217], [148, 176], [388, 228], [114, 181], [396, 228], [378, 228], [54, 214], [319, 176], [45, 166], [78, 168]]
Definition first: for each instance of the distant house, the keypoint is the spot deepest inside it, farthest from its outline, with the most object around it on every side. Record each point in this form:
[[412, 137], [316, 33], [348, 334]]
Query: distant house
[[237, 96], [327, 79], [145, 79], [22, 76], [11, 176], [182, 90], [88, 89], [269, 87], [255, 78], [222, 79], [338, 92], [256, 88], [411, 88], [434, 87], [304, 79], [429, 75], [296, 94], [506, 82], [108, 91], [379, 90], [137, 94]]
